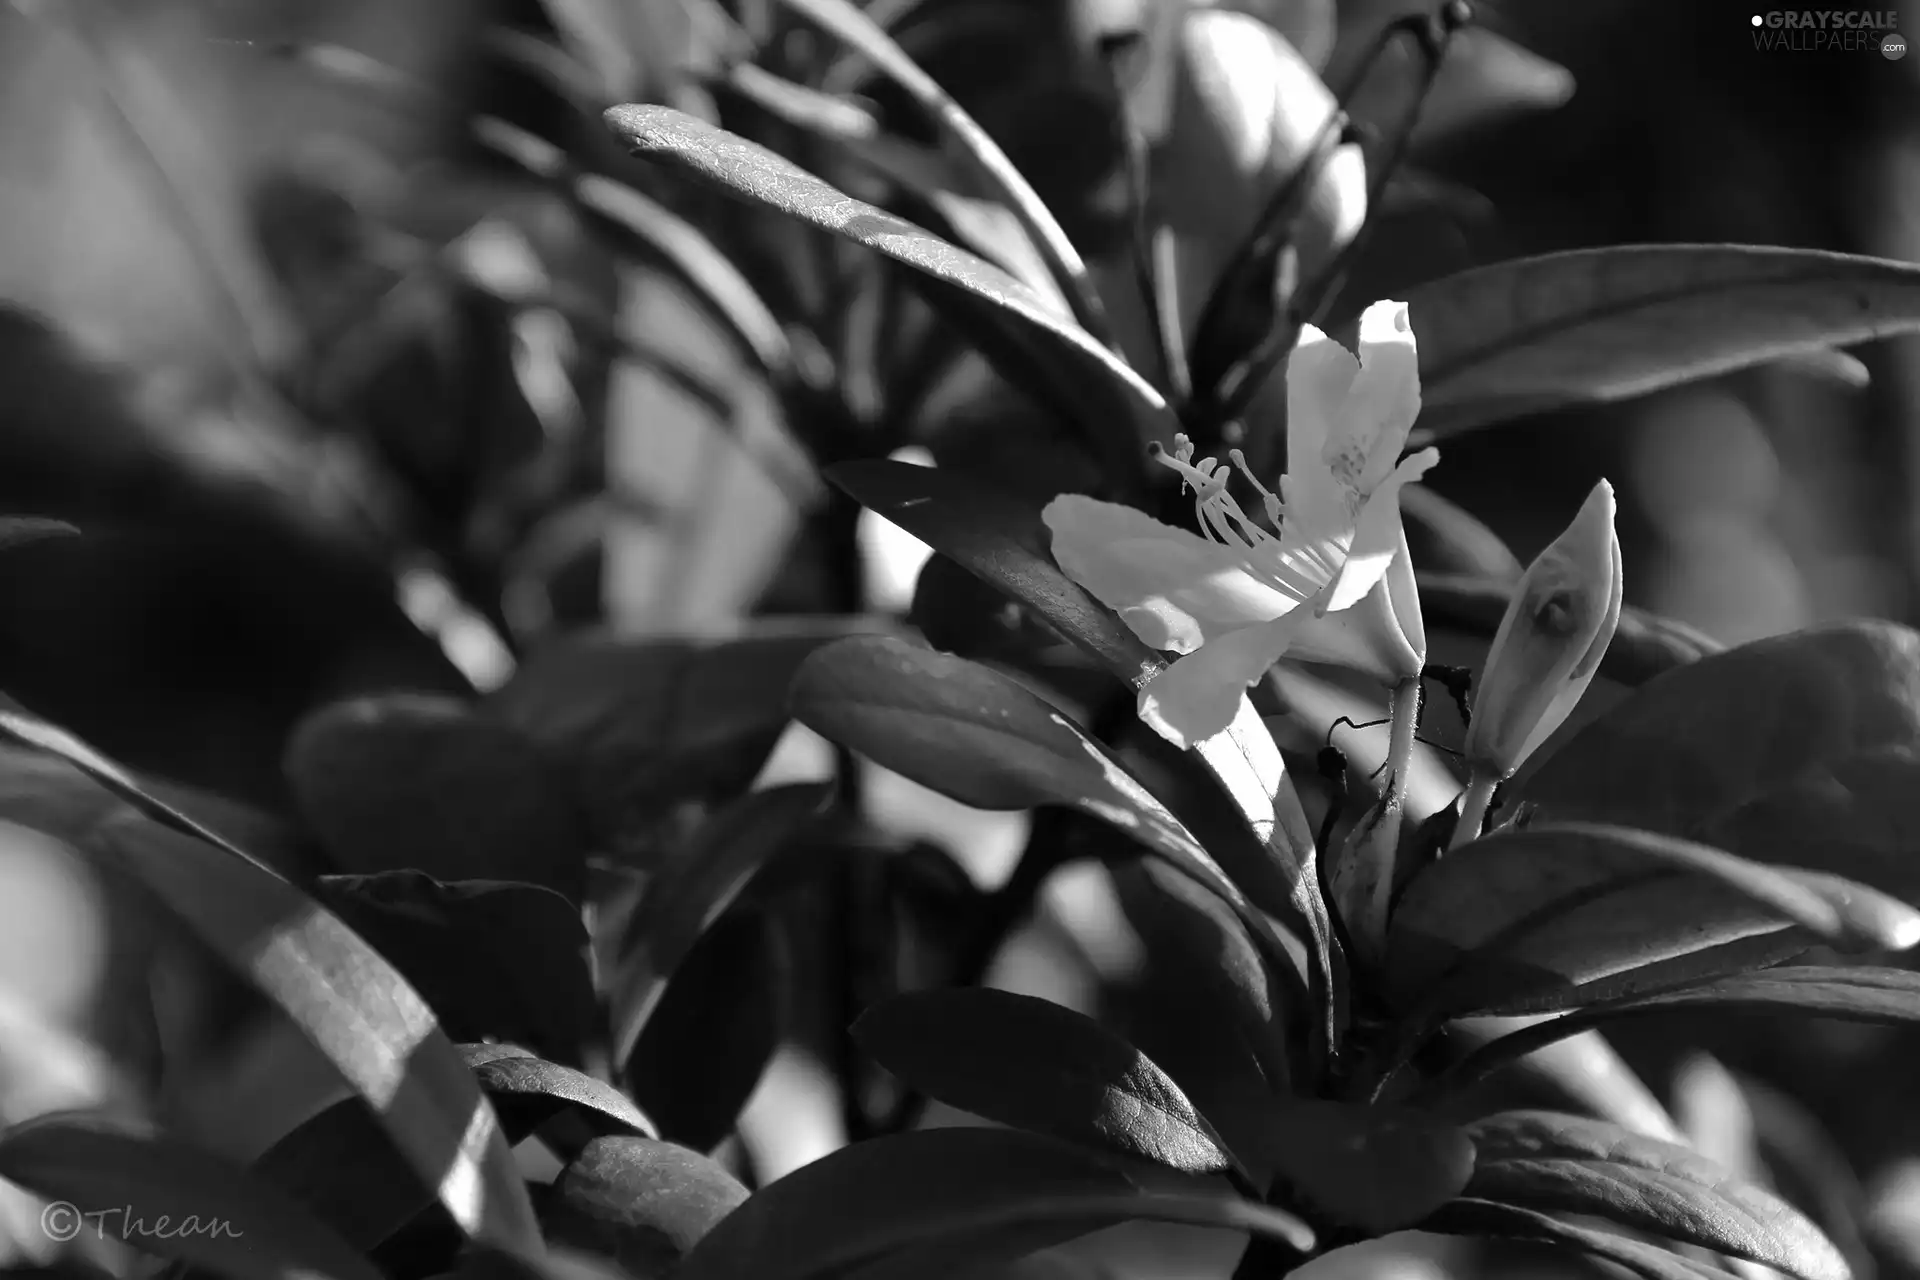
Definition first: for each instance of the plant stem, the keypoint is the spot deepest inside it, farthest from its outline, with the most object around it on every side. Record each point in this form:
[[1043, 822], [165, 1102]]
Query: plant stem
[[1473, 812]]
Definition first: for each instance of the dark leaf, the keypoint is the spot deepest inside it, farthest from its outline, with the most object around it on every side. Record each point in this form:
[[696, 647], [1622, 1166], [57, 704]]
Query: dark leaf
[[1864, 994], [18, 531], [342, 1166], [342, 995], [1536, 334], [643, 1203], [1093, 386], [1453, 540], [945, 1188], [527, 1092], [1214, 1016], [1515, 920], [169, 1199], [978, 737], [1802, 749], [692, 893], [1505, 1221], [643, 725], [1035, 1065], [1377, 1168], [1001, 540], [1570, 1164], [491, 959], [415, 783], [708, 1043]]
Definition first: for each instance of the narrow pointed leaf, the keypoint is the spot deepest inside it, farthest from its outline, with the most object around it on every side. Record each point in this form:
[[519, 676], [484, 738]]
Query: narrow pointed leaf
[[1520, 917], [1468, 1217], [944, 1187], [1801, 750], [166, 1198], [1096, 388], [342, 995], [1591, 325], [1035, 1065], [1862, 994], [693, 893], [972, 734]]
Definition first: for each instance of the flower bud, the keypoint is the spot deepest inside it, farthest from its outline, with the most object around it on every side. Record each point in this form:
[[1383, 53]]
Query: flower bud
[[1551, 641], [1245, 111]]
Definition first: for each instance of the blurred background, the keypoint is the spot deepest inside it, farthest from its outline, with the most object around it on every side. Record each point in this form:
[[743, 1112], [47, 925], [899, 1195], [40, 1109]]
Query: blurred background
[[306, 323]]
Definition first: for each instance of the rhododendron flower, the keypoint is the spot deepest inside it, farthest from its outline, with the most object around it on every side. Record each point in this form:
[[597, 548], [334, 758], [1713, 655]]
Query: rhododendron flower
[[1333, 585], [1556, 630]]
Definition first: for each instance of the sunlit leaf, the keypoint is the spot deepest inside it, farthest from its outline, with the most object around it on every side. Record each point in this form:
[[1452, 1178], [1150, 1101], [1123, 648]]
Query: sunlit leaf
[[645, 1204], [527, 1092], [1118, 411], [341, 994]]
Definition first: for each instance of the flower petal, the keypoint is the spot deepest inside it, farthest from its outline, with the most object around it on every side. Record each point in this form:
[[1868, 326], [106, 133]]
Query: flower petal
[[1383, 402], [1174, 589], [1199, 695], [1320, 374], [1378, 535]]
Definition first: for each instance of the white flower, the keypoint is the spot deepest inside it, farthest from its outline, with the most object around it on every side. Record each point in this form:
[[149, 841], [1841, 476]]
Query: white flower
[[1556, 630], [1232, 602]]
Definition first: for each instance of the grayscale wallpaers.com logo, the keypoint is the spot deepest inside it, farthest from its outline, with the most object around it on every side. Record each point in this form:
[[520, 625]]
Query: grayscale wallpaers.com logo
[[1829, 31]]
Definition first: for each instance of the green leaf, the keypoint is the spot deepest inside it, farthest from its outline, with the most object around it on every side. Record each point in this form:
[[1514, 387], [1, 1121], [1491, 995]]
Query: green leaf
[[1802, 750], [1380, 1169], [1016, 329], [1518, 920], [1504, 1221], [644, 725], [693, 893], [1595, 325], [1035, 1065], [944, 1188], [166, 1198], [1001, 540], [18, 531], [417, 783], [342, 995], [1570, 1164], [1644, 645], [645, 1204], [492, 959], [527, 1092]]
